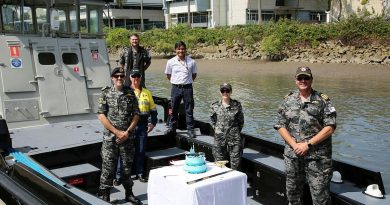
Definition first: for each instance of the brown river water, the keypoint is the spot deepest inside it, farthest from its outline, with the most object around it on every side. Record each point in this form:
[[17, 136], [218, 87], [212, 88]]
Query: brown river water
[[360, 93]]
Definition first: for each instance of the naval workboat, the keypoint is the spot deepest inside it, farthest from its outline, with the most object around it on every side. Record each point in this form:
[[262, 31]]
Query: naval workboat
[[53, 65]]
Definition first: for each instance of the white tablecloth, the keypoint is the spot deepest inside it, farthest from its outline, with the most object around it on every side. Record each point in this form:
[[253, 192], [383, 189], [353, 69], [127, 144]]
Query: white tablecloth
[[168, 186]]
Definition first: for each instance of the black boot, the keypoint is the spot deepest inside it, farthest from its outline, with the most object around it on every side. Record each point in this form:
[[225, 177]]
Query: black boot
[[117, 182], [170, 132], [142, 178], [104, 194], [131, 198]]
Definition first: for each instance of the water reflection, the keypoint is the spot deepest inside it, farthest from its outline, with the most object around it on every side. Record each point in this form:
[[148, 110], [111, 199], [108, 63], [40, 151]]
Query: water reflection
[[363, 109]]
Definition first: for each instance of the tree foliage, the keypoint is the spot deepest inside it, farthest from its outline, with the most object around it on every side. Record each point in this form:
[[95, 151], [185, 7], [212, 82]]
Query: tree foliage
[[273, 37]]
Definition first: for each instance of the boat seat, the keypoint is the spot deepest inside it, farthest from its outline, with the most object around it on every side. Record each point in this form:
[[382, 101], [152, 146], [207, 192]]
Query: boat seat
[[85, 176], [162, 157], [264, 160]]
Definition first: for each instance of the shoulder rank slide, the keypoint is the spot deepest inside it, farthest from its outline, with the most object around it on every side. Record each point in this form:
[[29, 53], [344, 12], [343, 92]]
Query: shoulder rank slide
[[324, 96]]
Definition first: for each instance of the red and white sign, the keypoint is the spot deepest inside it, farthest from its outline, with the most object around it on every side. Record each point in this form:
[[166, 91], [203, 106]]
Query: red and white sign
[[14, 51], [76, 69]]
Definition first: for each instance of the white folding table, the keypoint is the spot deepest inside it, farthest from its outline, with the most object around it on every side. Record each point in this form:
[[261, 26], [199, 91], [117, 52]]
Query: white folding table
[[218, 186]]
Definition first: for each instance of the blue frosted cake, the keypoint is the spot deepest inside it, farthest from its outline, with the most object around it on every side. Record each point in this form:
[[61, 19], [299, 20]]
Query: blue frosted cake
[[195, 162]]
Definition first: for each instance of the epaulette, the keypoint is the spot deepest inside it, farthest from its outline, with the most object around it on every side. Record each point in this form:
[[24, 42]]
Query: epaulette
[[288, 95], [324, 96], [235, 101], [104, 88]]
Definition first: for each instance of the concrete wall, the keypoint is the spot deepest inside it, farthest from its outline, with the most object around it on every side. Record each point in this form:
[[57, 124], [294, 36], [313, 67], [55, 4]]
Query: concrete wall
[[182, 7], [264, 4], [315, 5], [237, 12], [218, 13], [350, 7]]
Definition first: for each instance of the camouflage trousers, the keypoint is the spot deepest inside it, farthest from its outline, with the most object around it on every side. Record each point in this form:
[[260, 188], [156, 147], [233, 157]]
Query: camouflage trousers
[[110, 153], [233, 153], [317, 173]]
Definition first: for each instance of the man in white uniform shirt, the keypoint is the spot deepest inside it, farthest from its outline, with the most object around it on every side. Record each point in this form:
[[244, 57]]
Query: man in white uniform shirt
[[181, 71]]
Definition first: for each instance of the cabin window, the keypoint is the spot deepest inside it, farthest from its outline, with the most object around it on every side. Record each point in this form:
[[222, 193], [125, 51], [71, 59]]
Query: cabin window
[[12, 18], [41, 19], [46, 58], [93, 21], [73, 21], [83, 19], [63, 24], [70, 58]]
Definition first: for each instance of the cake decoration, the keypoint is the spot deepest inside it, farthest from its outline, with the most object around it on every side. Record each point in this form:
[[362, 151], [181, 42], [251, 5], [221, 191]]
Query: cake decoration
[[195, 163]]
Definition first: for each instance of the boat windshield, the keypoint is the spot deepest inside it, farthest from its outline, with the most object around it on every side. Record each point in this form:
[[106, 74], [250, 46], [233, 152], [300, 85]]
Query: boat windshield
[[40, 17]]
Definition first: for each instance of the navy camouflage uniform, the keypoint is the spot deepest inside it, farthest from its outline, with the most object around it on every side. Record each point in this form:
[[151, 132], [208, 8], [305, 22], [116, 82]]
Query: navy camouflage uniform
[[134, 61], [303, 120], [228, 123], [120, 107]]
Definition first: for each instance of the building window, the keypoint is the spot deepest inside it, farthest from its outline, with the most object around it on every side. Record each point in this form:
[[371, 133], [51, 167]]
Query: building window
[[318, 16], [267, 15], [181, 0], [279, 3], [200, 17], [252, 16], [182, 18]]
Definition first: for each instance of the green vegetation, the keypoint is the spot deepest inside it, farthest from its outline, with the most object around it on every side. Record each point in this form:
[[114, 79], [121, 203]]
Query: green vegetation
[[273, 37]]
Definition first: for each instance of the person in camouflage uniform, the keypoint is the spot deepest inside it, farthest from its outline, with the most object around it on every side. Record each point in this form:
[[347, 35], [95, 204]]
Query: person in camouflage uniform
[[119, 113], [306, 120], [227, 120], [135, 57]]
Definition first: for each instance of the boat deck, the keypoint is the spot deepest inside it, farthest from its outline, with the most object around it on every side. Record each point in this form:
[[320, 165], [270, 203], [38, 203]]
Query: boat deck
[[44, 139]]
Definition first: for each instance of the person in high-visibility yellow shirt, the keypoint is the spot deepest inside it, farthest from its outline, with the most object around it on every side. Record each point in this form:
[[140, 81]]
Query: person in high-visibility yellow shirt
[[147, 108]]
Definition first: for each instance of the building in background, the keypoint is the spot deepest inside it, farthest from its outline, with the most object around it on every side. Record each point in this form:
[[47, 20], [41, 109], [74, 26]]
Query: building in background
[[214, 13], [128, 14]]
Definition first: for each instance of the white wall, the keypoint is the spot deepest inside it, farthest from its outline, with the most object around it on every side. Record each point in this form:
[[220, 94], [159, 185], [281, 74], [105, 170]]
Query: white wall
[[237, 12], [182, 7], [219, 12], [151, 15]]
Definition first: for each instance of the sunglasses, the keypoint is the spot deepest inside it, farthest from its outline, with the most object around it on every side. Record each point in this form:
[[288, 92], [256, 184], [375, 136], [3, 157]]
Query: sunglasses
[[117, 76], [303, 78], [225, 91], [136, 76]]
